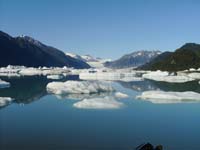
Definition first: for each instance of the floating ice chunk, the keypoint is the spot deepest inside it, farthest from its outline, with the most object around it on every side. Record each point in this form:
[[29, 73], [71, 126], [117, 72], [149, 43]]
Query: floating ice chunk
[[9, 74], [55, 77], [192, 69], [5, 101], [55, 71], [30, 72], [156, 73], [165, 77], [110, 76], [82, 87], [4, 84], [194, 75], [120, 95], [176, 79], [99, 103], [170, 97]]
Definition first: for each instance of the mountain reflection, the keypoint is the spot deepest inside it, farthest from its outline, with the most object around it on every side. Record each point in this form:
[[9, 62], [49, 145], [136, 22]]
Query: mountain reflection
[[27, 89], [164, 86], [83, 96]]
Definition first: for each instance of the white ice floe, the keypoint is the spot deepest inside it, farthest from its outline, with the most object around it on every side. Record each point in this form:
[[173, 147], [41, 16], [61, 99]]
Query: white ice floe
[[82, 87], [194, 75], [192, 69], [30, 72], [110, 76], [99, 103], [4, 84], [10, 71], [170, 97], [55, 71], [43, 71], [120, 95], [5, 101], [55, 77], [9, 75], [166, 77]]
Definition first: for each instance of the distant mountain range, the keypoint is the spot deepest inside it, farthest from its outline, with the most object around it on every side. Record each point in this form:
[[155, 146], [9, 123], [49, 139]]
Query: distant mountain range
[[26, 51], [186, 57], [134, 59], [92, 61]]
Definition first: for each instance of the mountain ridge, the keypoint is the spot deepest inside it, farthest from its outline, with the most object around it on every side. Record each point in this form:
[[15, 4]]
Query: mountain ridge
[[185, 57], [29, 52], [133, 59]]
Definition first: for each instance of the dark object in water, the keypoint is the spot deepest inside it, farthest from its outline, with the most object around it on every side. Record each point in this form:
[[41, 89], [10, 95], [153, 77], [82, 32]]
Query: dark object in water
[[159, 147], [149, 146]]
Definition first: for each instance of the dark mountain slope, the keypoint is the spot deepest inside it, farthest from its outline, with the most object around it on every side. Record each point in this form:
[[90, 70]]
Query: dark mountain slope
[[187, 56], [32, 53]]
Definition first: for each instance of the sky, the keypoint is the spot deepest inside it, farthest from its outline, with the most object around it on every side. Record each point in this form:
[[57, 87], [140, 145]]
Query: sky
[[104, 28]]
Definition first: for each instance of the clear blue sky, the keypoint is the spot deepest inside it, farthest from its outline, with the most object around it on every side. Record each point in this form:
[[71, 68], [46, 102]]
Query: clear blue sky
[[104, 28]]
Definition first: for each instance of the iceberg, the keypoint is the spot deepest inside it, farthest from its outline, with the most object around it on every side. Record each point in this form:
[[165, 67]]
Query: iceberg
[[55, 77], [5, 101], [166, 77], [192, 69], [30, 72], [110, 76], [120, 95], [10, 71], [170, 97], [4, 84], [99, 103], [43, 71], [194, 75], [55, 71], [78, 87]]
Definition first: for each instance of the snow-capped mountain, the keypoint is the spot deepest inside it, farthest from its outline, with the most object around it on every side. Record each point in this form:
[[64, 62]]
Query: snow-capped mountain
[[30, 40], [134, 59], [92, 61]]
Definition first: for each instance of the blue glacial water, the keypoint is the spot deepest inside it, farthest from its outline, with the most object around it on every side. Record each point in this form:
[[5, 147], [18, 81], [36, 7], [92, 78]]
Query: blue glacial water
[[38, 120]]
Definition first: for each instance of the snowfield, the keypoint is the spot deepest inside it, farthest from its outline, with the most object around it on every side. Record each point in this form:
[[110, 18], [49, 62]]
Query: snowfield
[[99, 103], [79, 87], [170, 97]]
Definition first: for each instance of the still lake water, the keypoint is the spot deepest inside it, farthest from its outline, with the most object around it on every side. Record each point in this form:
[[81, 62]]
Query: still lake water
[[38, 120]]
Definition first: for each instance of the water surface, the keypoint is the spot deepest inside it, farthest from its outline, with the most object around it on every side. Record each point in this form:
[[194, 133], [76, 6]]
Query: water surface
[[38, 120]]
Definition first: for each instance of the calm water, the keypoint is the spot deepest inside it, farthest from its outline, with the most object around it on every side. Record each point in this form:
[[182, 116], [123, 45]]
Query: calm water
[[36, 120]]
